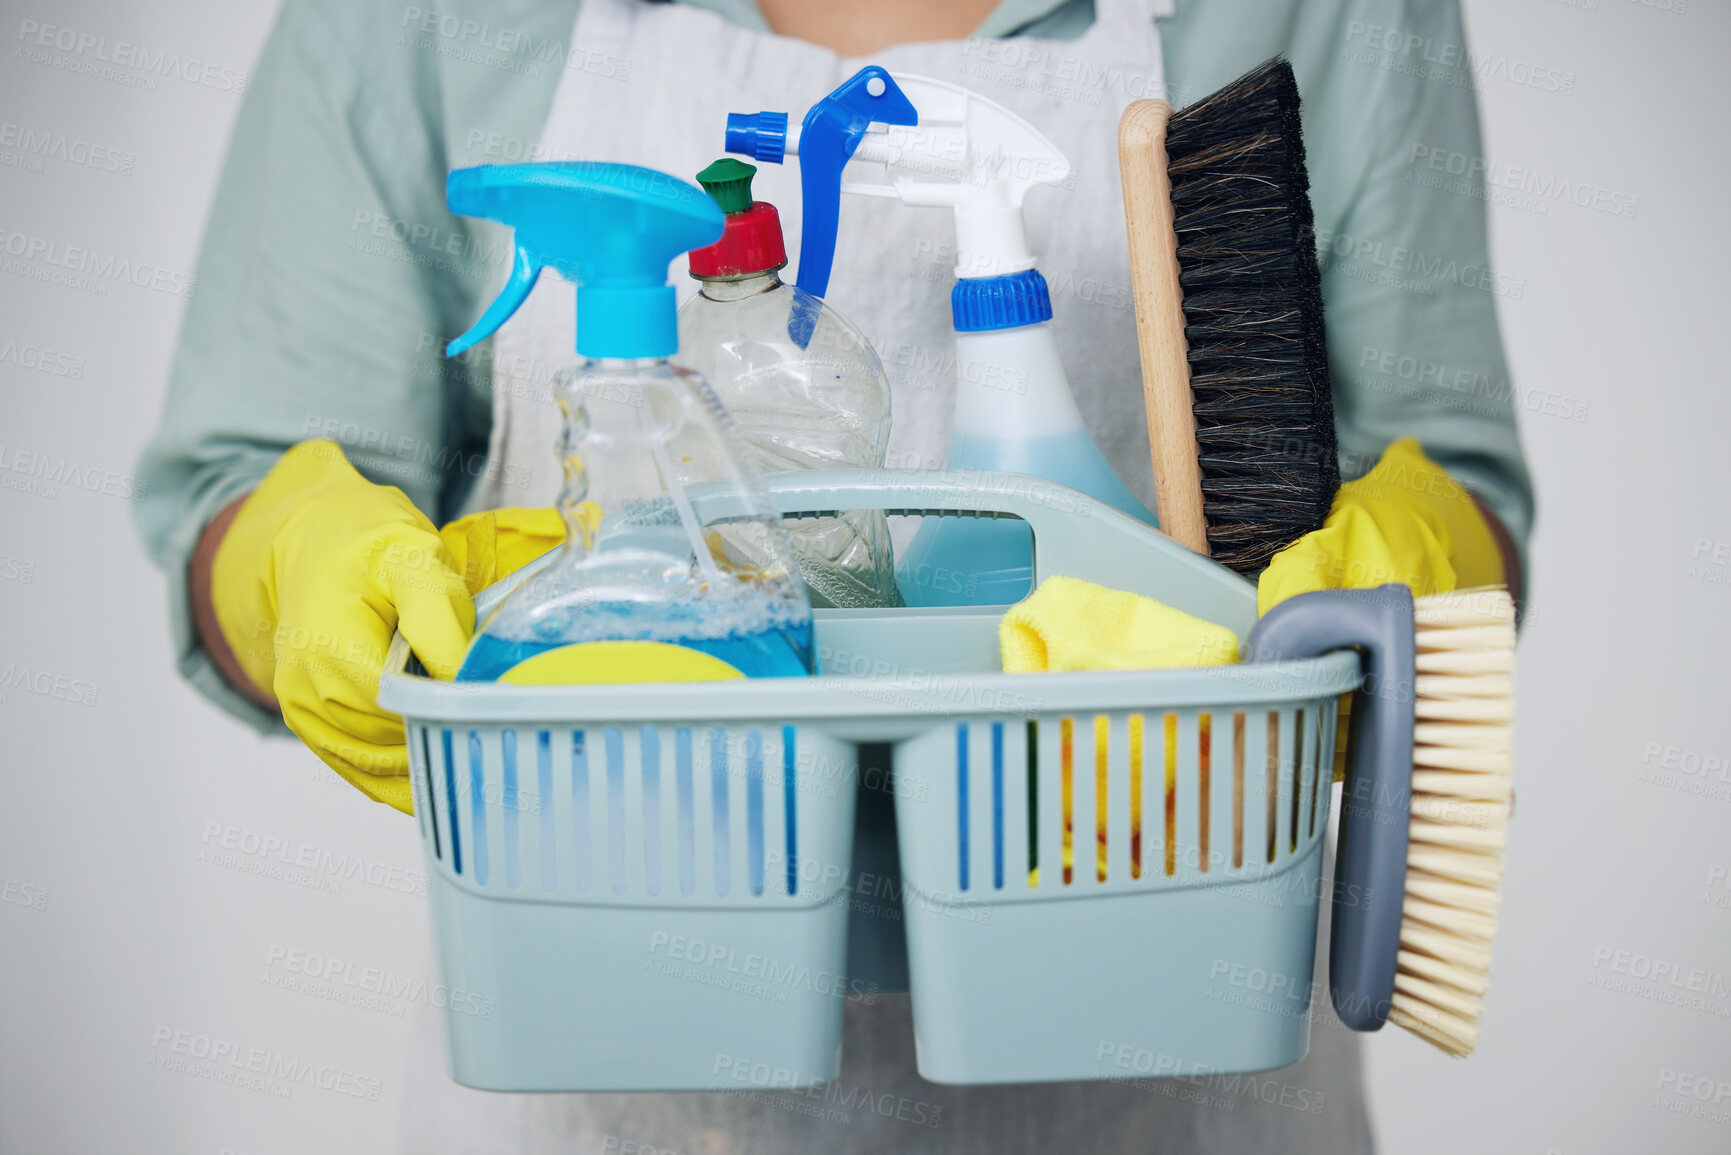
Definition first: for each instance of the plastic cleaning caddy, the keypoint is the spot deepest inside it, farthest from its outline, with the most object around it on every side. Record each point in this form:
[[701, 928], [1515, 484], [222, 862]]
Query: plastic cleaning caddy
[[653, 886]]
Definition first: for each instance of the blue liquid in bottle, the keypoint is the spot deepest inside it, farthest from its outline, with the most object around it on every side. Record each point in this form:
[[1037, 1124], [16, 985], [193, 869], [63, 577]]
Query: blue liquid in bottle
[[955, 561], [775, 651]]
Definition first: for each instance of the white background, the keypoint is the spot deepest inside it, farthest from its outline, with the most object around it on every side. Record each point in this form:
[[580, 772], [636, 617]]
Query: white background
[[106, 809]]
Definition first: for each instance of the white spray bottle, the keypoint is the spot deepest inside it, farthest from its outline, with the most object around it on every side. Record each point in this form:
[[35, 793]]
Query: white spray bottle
[[1014, 409]]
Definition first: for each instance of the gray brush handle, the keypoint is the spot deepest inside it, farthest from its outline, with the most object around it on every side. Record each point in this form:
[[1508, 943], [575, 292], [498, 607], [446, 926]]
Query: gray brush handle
[[1370, 866]]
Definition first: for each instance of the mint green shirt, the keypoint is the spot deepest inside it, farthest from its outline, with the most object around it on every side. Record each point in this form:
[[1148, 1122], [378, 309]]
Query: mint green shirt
[[332, 274]]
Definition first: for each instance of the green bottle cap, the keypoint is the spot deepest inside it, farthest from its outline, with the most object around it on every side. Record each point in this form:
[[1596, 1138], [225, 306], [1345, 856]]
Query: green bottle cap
[[729, 182]]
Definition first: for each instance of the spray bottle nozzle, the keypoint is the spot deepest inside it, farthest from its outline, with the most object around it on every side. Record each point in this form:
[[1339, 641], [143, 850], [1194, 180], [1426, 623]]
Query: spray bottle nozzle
[[610, 228], [760, 135], [970, 154], [825, 142]]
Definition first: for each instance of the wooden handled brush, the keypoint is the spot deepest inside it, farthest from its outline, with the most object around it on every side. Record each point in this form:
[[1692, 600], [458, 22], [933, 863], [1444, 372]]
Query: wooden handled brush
[[1229, 318], [1241, 428]]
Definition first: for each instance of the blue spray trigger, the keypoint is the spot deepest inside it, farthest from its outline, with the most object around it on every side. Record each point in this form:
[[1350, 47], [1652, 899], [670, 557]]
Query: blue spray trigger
[[611, 229], [525, 271], [828, 137]]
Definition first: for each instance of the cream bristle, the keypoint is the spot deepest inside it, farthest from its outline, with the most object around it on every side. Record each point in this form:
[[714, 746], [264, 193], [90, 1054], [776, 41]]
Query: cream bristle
[[1474, 869], [1456, 837], [1449, 893], [1485, 787], [1456, 813], [1482, 605], [1448, 1033], [1490, 639], [1467, 924], [1484, 763], [1463, 758], [1443, 737], [1442, 997], [1471, 957], [1441, 698], [1464, 662], [1439, 971], [1460, 734]]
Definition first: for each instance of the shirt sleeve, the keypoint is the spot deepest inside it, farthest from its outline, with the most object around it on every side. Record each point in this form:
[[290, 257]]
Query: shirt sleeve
[[1411, 298], [329, 277]]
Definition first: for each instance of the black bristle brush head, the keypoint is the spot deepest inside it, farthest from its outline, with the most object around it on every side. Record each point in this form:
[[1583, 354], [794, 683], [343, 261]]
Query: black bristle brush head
[[1253, 316]]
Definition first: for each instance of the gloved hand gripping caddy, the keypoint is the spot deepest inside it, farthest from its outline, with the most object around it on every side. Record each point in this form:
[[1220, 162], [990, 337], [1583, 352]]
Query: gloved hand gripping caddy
[[651, 883]]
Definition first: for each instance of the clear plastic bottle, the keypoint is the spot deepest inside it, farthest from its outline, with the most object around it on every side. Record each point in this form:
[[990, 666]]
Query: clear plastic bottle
[[675, 565], [802, 383]]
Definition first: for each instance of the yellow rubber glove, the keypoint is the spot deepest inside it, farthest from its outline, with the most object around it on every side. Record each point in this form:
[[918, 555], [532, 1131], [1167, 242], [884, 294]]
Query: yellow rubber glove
[[1405, 521], [492, 545], [319, 568]]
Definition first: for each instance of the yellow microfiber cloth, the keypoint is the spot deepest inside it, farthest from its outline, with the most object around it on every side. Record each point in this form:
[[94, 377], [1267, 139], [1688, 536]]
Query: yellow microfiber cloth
[[1070, 624]]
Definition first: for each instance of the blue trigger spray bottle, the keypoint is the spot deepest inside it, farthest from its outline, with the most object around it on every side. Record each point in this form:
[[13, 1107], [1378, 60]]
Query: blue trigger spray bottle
[[1014, 410], [675, 565]]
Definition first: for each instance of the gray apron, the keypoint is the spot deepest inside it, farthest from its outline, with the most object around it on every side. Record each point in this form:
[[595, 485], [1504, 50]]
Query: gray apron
[[892, 277]]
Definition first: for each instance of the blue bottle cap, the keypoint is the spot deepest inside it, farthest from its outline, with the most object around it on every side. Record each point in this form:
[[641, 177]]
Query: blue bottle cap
[[982, 304], [610, 228]]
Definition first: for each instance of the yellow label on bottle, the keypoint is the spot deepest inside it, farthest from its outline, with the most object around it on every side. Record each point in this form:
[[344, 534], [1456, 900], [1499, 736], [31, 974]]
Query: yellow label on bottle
[[599, 663]]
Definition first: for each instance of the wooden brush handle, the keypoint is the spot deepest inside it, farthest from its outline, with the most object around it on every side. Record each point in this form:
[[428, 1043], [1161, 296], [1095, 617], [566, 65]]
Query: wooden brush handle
[[1160, 322]]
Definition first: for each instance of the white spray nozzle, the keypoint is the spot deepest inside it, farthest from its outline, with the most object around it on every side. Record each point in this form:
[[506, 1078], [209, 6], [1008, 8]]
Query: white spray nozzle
[[967, 153]]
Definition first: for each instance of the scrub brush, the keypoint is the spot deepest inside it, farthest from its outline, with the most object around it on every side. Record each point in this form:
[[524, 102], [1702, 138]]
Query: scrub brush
[[1229, 318], [1462, 794], [1426, 806]]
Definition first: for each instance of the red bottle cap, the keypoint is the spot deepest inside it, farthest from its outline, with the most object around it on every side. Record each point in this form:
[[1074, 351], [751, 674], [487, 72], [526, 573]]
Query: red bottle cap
[[751, 237], [750, 243]]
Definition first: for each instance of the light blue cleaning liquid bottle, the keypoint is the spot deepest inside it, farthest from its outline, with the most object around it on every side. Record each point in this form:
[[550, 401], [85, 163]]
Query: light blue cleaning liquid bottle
[[675, 565], [1014, 411], [1014, 414]]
